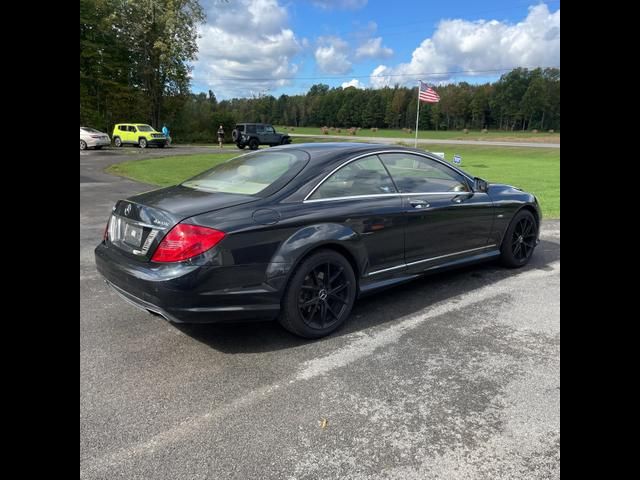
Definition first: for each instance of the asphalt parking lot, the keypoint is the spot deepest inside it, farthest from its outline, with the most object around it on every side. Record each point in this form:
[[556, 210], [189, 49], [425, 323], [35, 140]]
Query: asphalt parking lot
[[454, 376]]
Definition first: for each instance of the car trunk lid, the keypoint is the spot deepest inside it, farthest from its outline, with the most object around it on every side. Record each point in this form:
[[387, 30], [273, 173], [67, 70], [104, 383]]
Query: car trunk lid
[[138, 224]]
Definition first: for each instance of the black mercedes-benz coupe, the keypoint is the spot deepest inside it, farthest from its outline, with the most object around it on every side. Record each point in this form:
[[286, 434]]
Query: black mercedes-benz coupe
[[298, 232]]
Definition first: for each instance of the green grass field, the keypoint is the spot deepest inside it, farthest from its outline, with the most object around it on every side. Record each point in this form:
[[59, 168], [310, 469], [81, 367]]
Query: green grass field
[[495, 135], [165, 171], [536, 170]]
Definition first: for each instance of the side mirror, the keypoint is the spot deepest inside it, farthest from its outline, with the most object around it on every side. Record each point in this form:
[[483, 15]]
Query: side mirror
[[480, 185]]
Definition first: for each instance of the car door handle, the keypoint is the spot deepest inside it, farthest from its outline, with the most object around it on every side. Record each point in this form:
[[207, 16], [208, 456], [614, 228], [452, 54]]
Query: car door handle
[[460, 198], [418, 204]]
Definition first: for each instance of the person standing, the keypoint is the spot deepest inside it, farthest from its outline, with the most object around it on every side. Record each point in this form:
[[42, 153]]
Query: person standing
[[165, 132], [220, 135]]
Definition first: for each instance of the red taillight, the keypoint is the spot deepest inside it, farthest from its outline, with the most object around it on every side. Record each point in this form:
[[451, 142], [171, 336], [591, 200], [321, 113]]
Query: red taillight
[[186, 241]]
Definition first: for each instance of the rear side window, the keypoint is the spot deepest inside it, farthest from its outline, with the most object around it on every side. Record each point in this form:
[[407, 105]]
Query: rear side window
[[251, 129], [366, 176], [416, 174], [122, 128]]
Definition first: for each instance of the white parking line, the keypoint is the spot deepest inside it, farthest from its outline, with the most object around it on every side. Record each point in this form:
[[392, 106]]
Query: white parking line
[[366, 343]]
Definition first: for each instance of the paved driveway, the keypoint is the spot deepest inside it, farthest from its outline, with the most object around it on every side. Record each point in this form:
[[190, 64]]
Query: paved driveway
[[454, 376]]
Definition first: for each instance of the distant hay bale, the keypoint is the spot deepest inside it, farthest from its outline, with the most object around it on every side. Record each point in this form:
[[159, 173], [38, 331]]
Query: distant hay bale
[[325, 130], [551, 131], [534, 131], [338, 130], [484, 130], [466, 130], [374, 129], [352, 131]]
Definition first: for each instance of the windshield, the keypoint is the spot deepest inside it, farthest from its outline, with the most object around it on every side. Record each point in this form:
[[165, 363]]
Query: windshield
[[145, 128], [251, 174], [89, 130]]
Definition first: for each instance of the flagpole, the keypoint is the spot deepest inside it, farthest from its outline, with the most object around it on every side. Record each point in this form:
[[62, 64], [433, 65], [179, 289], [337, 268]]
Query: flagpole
[[415, 145]]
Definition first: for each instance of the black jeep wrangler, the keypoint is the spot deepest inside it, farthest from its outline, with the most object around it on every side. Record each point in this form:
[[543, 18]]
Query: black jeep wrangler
[[255, 134]]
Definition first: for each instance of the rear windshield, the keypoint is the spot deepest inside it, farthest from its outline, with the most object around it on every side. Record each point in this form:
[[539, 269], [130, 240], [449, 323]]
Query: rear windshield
[[258, 173], [144, 128], [89, 130]]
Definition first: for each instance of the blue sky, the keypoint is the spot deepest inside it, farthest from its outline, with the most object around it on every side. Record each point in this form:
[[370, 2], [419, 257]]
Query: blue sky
[[255, 47]]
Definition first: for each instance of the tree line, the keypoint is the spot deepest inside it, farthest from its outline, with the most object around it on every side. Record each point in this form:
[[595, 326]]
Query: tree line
[[521, 99], [134, 58]]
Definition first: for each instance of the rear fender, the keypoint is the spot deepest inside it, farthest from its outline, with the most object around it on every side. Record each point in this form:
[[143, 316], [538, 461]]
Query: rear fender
[[310, 238]]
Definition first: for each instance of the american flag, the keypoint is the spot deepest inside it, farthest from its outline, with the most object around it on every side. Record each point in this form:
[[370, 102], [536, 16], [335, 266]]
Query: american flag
[[427, 94]]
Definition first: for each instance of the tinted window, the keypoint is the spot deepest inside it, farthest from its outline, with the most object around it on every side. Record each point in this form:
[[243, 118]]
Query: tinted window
[[122, 128], [240, 128], [251, 129], [132, 129], [260, 128], [366, 176], [416, 174], [89, 130], [252, 173]]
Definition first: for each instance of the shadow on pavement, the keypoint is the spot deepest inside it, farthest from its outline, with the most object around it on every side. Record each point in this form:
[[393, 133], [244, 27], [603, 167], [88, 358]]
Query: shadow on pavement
[[383, 307]]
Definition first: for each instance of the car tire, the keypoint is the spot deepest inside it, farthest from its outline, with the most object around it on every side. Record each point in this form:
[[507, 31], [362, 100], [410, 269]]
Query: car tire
[[317, 303], [241, 146], [285, 141], [83, 145], [519, 240], [117, 142], [142, 142], [254, 144]]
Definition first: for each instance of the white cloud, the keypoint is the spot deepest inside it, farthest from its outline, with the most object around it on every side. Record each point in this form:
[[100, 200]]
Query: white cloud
[[353, 83], [339, 4], [332, 55], [480, 45], [372, 48], [245, 39]]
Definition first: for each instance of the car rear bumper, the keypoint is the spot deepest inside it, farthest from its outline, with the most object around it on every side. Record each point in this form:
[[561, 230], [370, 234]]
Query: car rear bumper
[[184, 293], [98, 142]]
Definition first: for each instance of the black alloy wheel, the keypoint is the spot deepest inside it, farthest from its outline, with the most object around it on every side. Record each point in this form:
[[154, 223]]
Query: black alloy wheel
[[320, 295], [520, 240]]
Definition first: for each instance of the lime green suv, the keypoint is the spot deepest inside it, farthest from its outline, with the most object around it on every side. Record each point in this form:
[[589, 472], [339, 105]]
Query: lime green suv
[[137, 134]]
